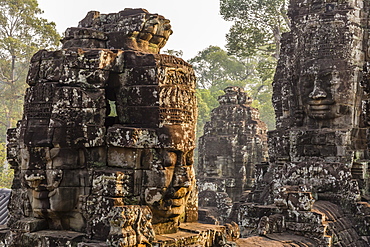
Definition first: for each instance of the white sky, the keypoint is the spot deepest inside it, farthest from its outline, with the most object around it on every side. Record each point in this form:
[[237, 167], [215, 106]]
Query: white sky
[[196, 23]]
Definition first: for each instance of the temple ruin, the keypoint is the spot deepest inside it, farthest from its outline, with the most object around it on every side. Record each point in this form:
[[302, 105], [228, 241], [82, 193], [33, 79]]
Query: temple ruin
[[103, 155], [317, 183], [234, 141]]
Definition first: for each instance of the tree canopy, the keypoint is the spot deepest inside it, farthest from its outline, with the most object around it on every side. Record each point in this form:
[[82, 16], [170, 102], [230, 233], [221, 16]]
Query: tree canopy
[[215, 67], [258, 25]]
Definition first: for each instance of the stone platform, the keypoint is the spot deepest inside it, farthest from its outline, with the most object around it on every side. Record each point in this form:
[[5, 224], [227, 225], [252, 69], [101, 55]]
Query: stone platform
[[277, 240], [195, 234], [189, 234]]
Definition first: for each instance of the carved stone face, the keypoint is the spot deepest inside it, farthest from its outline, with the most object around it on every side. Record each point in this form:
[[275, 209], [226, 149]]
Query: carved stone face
[[168, 199], [326, 91], [53, 190]]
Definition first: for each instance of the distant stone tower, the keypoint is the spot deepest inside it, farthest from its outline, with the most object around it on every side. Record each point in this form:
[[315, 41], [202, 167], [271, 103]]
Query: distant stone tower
[[234, 141]]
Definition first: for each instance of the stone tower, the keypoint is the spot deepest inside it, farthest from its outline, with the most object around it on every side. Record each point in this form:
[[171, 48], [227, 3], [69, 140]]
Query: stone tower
[[319, 152], [233, 142], [103, 155], [104, 151]]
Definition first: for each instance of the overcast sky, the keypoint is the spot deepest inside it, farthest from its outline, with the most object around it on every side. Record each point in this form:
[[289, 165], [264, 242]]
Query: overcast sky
[[196, 23]]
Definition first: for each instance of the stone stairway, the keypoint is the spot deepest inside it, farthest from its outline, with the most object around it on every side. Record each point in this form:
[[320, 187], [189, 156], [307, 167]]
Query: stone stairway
[[339, 227]]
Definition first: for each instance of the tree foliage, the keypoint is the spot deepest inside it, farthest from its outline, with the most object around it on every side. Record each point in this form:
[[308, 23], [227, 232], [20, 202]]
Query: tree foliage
[[6, 174], [214, 67], [257, 28]]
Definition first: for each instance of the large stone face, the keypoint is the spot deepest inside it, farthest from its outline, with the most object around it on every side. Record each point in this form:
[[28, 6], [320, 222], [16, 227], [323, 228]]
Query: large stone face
[[105, 145], [319, 150]]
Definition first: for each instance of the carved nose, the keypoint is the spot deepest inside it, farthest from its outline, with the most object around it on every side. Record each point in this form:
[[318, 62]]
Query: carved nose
[[182, 179], [318, 93]]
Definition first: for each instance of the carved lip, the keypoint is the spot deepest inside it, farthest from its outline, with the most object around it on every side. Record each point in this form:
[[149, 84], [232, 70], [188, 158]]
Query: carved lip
[[320, 105]]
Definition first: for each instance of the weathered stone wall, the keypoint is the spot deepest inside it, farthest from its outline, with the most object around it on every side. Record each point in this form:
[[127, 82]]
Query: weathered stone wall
[[103, 155], [319, 151]]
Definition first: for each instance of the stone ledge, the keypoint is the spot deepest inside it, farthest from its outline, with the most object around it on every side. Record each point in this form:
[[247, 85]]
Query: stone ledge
[[196, 234]]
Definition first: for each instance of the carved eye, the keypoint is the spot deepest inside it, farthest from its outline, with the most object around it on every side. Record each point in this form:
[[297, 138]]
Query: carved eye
[[307, 81], [169, 158], [326, 79]]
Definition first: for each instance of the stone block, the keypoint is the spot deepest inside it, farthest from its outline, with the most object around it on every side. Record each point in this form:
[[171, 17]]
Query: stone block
[[124, 157], [74, 97], [113, 183], [299, 201], [145, 116], [65, 158], [65, 199], [145, 75], [120, 136], [31, 225], [88, 43], [33, 72], [84, 33], [95, 156], [35, 158], [158, 177], [134, 59], [140, 95], [93, 59], [51, 66], [37, 133], [75, 178], [85, 78]]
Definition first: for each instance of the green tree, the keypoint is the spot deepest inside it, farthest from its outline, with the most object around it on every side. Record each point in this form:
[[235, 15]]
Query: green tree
[[216, 70], [214, 66], [258, 26], [261, 90], [6, 174], [256, 33], [22, 33]]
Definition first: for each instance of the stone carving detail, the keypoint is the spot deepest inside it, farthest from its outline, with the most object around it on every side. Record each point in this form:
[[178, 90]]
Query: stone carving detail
[[130, 29], [104, 152], [319, 150]]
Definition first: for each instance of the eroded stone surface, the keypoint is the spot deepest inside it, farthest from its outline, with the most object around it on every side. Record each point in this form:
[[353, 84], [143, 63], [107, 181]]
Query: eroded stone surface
[[319, 151], [234, 141], [103, 155]]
